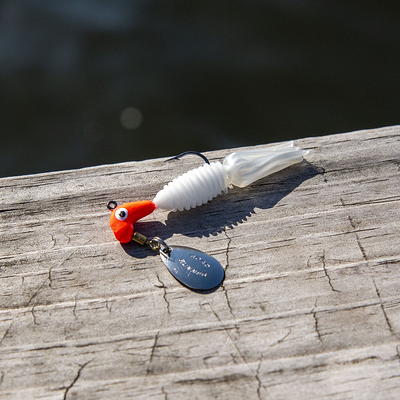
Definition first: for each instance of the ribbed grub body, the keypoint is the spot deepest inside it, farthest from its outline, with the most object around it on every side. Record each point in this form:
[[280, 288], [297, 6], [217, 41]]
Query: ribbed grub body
[[193, 188]]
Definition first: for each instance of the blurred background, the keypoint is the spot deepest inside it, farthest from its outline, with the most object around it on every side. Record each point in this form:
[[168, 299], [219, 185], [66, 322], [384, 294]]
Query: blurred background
[[90, 82]]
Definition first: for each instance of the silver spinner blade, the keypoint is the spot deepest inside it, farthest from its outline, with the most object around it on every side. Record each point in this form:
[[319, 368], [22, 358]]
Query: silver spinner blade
[[193, 268]]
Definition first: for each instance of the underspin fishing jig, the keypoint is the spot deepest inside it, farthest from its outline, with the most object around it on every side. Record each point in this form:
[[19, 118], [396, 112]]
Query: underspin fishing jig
[[191, 267]]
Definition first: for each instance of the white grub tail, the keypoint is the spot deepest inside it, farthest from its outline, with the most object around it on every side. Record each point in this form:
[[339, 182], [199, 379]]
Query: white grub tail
[[193, 188], [200, 185]]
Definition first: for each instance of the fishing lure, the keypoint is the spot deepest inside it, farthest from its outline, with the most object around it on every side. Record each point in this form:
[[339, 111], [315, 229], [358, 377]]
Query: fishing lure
[[192, 189]]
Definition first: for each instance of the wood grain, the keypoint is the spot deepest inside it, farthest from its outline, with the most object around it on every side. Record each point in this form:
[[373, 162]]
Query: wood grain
[[310, 306]]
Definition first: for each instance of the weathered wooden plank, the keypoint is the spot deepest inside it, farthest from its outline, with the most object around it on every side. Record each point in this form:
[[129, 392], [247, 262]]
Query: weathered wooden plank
[[310, 303]]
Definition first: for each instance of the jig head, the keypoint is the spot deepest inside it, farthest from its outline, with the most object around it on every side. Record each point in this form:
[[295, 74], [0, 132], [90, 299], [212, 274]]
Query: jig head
[[124, 217]]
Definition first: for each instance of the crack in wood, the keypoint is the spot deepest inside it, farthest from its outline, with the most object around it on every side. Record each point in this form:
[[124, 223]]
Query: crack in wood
[[227, 261], [52, 240], [325, 365], [69, 387], [352, 223], [153, 349], [228, 245], [282, 339], [162, 286], [257, 377], [360, 246], [316, 322], [35, 293], [34, 316], [327, 274], [108, 306], [322, 171], [49, 278], [213, 380], [233, 340], [388, 323], [74, 309], [383, 200]]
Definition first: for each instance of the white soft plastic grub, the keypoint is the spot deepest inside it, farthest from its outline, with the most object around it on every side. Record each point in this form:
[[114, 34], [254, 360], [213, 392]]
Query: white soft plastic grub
[[200, 185]]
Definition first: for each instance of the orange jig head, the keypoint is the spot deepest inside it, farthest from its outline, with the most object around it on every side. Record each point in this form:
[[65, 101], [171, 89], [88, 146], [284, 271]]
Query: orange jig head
[[123, 217]]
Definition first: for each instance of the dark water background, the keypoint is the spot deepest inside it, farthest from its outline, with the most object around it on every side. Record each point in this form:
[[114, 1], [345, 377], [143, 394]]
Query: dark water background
[[90, 82]]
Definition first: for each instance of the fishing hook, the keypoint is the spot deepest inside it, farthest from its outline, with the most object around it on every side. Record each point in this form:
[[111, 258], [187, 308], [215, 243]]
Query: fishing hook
[[185, 153]]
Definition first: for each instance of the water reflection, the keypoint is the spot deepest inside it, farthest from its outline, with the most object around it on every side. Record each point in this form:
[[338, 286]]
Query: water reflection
[[86, 83]]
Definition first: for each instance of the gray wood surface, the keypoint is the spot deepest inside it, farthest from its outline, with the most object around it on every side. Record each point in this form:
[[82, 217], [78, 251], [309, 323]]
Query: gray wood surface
[[309, 308]]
